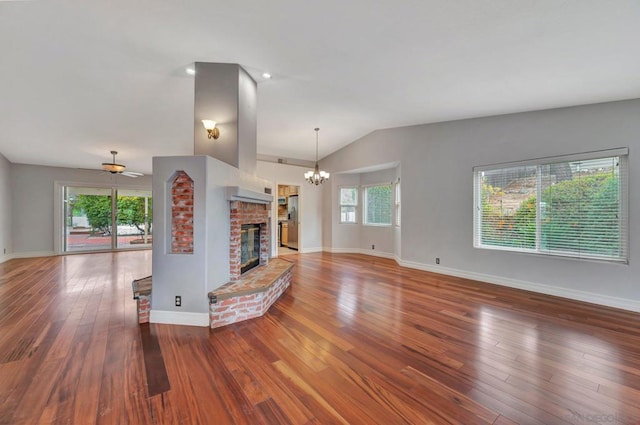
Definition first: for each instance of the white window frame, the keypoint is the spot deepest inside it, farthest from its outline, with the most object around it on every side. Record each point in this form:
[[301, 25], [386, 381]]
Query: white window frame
[[364, 205], [340, 204], [397, 196], [59, 211], [622, 153]]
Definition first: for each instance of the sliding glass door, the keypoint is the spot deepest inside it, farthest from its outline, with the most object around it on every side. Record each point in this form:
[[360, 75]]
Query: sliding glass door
[[134, 218], [88, 219], [100, 219]]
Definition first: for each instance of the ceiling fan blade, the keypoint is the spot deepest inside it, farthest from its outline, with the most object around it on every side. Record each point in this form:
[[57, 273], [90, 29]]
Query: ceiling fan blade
[[132, 174]]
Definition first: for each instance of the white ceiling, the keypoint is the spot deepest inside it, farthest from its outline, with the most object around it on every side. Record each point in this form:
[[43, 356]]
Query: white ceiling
[[79, 78]]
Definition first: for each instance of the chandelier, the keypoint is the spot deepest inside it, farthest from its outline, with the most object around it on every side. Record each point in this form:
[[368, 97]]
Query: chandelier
[[316, 176]]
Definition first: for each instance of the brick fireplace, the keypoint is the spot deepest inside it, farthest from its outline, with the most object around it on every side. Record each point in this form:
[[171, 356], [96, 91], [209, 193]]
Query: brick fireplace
[[248, 295], [247, 213]]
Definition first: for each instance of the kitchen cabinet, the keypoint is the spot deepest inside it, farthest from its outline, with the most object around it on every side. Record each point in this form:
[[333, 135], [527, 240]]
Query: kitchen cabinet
[[285, 191], [285, 234], [282, 212]]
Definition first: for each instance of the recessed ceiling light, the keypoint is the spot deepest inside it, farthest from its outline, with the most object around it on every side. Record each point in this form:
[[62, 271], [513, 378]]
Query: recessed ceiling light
[[190, 71], [266, 75]]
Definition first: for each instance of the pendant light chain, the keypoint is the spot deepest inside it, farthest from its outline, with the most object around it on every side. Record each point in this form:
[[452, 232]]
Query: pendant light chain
[[316, 129]]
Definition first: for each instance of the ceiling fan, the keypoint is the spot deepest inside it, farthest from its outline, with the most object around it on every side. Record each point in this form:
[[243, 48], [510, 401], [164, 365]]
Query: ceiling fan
[[115, 168]]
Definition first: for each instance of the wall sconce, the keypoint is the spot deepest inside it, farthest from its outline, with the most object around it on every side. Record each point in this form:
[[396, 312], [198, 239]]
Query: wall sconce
[[212, 130]]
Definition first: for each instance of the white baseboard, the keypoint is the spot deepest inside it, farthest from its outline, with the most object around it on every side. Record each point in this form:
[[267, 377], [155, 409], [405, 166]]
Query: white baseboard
[[310, 250], [28, 254], [375, 253], [179, 318], [371, 252], [574, 294], [342, 250]]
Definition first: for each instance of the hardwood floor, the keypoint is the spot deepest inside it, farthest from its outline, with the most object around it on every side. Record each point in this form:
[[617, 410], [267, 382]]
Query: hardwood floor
[[356, 340]]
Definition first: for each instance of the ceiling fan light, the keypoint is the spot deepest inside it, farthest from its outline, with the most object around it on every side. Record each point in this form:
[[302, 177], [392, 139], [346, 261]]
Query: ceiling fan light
[[112, 167]]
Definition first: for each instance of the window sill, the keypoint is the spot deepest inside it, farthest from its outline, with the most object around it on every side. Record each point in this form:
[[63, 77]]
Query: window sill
[[556, 254]]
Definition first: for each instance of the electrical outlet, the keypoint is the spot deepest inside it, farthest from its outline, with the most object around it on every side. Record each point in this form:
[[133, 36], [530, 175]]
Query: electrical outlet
[[178, 301], [437, 260], [373, 247], [5, 250]]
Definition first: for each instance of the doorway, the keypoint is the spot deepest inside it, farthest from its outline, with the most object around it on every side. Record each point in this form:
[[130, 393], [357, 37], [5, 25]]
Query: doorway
[[288, 219], [104, 219]]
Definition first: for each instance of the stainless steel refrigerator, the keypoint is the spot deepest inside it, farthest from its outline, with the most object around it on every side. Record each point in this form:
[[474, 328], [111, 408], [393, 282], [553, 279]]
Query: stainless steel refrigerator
[[292, 241]]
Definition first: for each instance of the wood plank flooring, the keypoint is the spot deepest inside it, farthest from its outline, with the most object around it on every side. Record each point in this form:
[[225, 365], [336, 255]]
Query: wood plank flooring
[[356, 340]]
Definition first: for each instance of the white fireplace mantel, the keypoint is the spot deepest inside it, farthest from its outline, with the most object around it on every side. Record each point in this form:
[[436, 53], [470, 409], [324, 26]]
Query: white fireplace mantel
[[236, 193]]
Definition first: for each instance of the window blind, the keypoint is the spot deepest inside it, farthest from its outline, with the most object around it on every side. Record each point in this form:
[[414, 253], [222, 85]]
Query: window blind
[[570, 206]]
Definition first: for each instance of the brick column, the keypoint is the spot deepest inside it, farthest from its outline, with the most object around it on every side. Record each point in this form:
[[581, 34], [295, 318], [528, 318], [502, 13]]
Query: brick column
[[234, 240], [265, 240], [182, 214], [144, 307]]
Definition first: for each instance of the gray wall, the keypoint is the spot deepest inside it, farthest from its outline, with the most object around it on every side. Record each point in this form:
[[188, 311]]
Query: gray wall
[[397, 231], [227, 94], [33, 204], [310, 198], [380, 236], [247, 122], [180, 274], [345, 237], [6, 245], [437, 196], [192, 276], [216, 98], [350, 237]]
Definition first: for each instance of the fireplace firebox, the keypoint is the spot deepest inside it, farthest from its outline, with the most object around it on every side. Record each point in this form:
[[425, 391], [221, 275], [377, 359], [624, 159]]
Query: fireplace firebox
[[248, 237], [249, 247]]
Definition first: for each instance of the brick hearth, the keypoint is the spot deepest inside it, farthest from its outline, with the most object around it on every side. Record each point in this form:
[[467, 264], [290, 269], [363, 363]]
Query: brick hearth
[[142, 294], [251, 295]]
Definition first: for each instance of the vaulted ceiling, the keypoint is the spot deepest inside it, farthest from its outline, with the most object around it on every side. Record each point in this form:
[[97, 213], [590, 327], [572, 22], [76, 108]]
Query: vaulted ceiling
[[79, 78]]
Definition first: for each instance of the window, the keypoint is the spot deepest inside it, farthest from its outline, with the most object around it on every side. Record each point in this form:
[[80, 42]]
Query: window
[[571, 206], [378, 205], [398, 203], [348, 204]]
